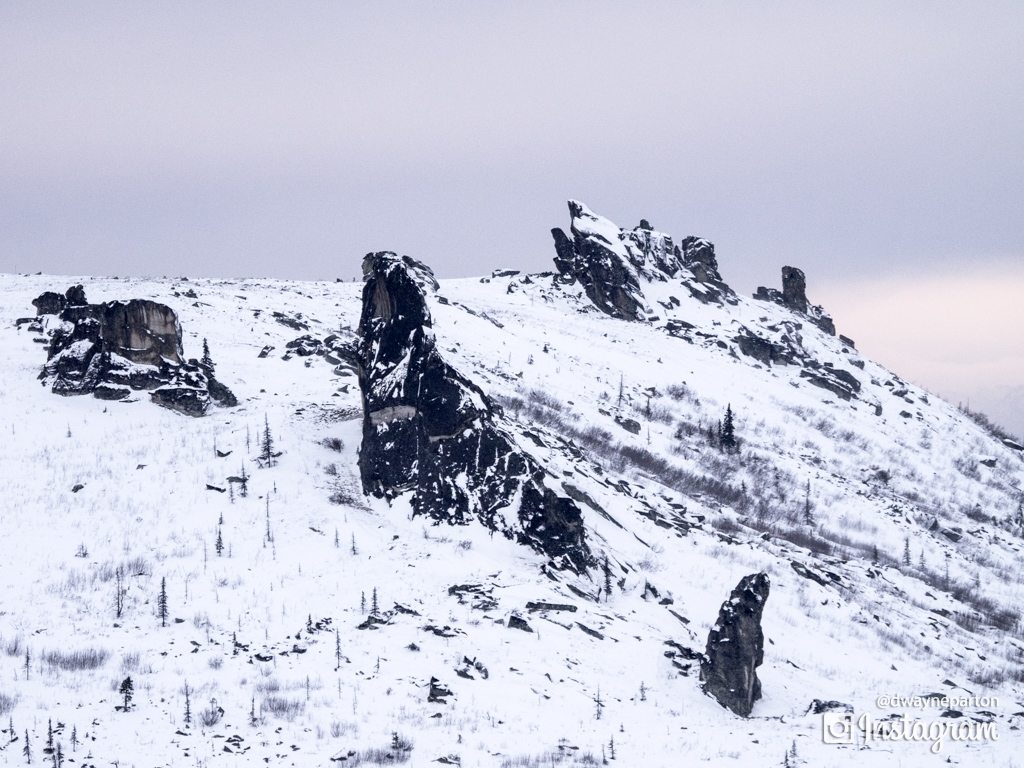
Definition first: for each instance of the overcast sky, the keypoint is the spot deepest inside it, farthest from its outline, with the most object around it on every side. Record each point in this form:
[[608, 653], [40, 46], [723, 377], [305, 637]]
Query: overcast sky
[[876, 145]]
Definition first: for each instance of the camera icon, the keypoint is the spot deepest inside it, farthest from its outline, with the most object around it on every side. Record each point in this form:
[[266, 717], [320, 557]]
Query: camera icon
[[836, 728]]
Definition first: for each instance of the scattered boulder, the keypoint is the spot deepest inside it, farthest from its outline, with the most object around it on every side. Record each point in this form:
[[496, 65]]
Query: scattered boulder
[[477, 596], [837, 381], [543, 606], [820, 707], [295, 322], [518, 622], [438, 693], [469, 666], [765, 351], [431, 432], [735, 647], [111, 349], [630, 425], [444, 631], [305, 346]]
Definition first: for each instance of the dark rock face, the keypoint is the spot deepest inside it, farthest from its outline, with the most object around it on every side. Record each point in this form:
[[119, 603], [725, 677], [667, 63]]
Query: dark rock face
[[608, 282], [794, 297], [612, 264], [794, 289], [49, 303], [140, 330], [699, 256], [75, 296], [429, 430], [111, 349], [735, 647]]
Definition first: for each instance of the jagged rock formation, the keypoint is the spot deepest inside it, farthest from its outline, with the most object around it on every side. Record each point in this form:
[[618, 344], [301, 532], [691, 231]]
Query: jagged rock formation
[[614, 265], [110, 349], [429, 430], [793, 296], [735, 647]]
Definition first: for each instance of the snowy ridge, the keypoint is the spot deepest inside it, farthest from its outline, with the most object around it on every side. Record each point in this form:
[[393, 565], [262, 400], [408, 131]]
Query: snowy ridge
[[824, 496]]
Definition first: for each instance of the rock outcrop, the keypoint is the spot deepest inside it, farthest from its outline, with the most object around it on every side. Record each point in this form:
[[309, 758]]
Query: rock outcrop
[[793, 296], [735, 647], [429, 431], [111, 349], [614, 266]]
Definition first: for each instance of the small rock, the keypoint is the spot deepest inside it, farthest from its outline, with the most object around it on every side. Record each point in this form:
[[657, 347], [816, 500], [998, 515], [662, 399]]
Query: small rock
[[517, 622]]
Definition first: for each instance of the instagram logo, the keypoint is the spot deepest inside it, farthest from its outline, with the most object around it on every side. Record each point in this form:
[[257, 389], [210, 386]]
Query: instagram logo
[[837, 728]]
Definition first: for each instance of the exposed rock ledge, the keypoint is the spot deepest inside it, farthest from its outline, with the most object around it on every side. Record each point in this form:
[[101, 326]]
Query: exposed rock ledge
[[430, 431]]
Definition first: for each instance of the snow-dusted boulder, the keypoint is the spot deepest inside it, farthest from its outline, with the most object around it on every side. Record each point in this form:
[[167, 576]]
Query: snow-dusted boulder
[[110, 350], [735, 647], [429, 430]]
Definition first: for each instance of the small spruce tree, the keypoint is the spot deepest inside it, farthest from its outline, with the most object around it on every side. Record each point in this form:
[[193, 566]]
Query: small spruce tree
[[374, 606], [207, 361], [127, 690], [161, 604], [906, 551], [728, 439], [808, 513], [267, 446]]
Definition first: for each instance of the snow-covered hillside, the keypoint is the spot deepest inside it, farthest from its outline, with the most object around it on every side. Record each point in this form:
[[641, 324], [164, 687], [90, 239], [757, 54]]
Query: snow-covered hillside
[[887, 521]]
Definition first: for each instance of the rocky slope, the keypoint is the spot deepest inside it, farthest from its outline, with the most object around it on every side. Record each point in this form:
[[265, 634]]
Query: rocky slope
[[385, 590]]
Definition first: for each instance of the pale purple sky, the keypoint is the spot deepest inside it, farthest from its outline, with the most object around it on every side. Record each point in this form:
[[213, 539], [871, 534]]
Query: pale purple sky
[[876, 145]]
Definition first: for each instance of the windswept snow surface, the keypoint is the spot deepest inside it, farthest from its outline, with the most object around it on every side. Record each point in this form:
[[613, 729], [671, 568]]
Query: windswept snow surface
[[667, 508]]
